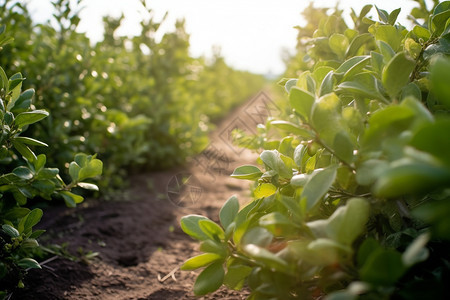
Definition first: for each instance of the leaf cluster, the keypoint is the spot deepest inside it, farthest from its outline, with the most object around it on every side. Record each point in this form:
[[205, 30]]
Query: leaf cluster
[[351, 193], [24, 175], [139, 102]]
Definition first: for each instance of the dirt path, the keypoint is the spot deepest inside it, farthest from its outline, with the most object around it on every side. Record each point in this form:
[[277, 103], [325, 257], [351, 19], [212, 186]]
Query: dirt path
[[140, 239]]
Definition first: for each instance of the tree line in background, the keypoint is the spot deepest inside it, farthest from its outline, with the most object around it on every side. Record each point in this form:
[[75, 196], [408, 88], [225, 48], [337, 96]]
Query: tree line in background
[[138, 102]]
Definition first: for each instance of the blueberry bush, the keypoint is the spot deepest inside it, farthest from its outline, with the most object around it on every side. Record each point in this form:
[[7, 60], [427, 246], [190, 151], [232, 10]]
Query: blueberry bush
[[352, 191], [139, 102], [25, 175]]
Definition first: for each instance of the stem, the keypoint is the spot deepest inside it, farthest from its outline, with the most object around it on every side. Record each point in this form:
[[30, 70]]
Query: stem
[[420, 61], [403, 208], [344, 193], [249, 261], [318, 140]]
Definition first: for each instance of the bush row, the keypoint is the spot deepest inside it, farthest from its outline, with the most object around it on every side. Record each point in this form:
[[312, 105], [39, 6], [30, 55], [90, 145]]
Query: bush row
[[351, 201], [139, 102]]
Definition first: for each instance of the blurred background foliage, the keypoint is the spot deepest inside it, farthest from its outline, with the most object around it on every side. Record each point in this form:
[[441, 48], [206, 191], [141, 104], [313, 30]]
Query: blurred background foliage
[[139, 102]]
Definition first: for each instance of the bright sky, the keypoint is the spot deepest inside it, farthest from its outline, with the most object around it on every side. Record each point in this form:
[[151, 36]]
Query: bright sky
[[251, 33]]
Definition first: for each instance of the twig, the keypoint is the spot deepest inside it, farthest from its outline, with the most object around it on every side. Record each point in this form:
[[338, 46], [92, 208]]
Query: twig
[[45, 262], [171, 274], [49, 260]]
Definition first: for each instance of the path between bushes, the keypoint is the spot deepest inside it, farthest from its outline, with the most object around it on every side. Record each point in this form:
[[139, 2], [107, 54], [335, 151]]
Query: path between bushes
[[140, 239]]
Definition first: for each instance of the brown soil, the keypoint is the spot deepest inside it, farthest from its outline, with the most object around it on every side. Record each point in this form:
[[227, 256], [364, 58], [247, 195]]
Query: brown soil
[[139, 240]]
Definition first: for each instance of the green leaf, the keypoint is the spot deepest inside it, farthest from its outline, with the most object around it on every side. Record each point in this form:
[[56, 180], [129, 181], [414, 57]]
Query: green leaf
[[396, 73], [229, 211], [235, 276], [327, 85], [248, 172], [81, 159], [292, 128], [29, 244], [299, 180], [299, 153], [393, 16], [440, 16], [3, 79], [440, 72], [362, 84], [266, 257], [45, 187], [210, 279], [26, 263], [39, 163], [36, 234], [357, 43], [329, 124], [318, 185], [343, 146], [367, 248], [302, 101], [433, 138], [286, 150], [273, 161], [385, 123], [264, 190], [30, 117], [354, 120], [341, 295], [257, 236], [339, 44], [48, 173], [293, 207], [24, 150], [30, 141], [410, 178], [16, 213], [386, 51], [27, 191], [276, 223], [387, 33], [32, 219], [289, 84], [211, 229], [200, 261], [212, 246], [88, 186], [189, 224], [320, 72], [382, 14], [23, 173], [92, 169], [74, 170], [348, 222], [383, 267], [71, 199], [411, 91], [421, 32], [416, 251], [370, 170], [327, 251], [11, 231], [377, 62], [365, 10], [436, 214], [352, 66]]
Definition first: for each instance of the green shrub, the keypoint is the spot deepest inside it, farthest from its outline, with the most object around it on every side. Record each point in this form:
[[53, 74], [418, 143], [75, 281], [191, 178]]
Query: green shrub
[[139, 102], [353, 199], [25, 176]]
